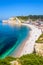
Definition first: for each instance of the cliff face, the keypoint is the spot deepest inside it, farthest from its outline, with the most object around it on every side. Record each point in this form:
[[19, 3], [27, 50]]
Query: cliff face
[[12, 21], [39, 48]]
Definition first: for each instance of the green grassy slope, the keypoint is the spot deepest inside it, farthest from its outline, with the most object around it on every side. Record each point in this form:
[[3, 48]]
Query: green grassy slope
[[30, 59]]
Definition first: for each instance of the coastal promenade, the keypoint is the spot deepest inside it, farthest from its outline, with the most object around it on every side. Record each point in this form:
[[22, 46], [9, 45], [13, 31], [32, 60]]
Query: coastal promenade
[[27, 46]]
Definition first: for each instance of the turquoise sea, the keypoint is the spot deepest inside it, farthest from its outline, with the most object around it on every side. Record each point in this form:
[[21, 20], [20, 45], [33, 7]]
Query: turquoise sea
[[10, 38]]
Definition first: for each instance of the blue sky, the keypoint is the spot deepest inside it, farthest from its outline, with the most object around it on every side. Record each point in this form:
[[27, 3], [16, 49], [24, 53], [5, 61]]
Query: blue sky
[[9, 8]]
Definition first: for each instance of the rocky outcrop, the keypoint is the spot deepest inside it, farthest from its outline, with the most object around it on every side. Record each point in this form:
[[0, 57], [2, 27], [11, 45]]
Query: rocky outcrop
[[12, 21], [15, 62], [39, 48]]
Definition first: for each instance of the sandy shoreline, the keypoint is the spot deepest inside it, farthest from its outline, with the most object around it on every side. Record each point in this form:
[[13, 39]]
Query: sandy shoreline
[[27, 46], [18, 53]]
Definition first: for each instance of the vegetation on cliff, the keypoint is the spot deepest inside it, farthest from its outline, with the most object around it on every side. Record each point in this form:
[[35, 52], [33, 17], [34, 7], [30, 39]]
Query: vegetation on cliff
[[32, 17], [40, 39], [30, 59]]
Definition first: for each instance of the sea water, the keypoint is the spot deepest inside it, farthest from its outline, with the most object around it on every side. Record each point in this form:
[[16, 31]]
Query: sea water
[[10, 38]]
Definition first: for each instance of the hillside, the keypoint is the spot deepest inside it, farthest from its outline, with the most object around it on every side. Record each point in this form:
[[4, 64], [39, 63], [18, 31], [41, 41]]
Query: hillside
[[30, 59], [32, 17], [40, 39]]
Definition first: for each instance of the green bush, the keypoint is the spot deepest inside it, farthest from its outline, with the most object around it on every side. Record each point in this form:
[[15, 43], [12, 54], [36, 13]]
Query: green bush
[[31, 59], [4, 62], [10, 58], [40, 39]]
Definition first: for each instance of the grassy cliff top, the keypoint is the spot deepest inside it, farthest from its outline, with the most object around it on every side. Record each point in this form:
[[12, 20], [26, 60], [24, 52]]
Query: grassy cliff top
[[32, 17], [40, 39], [29, 59]]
